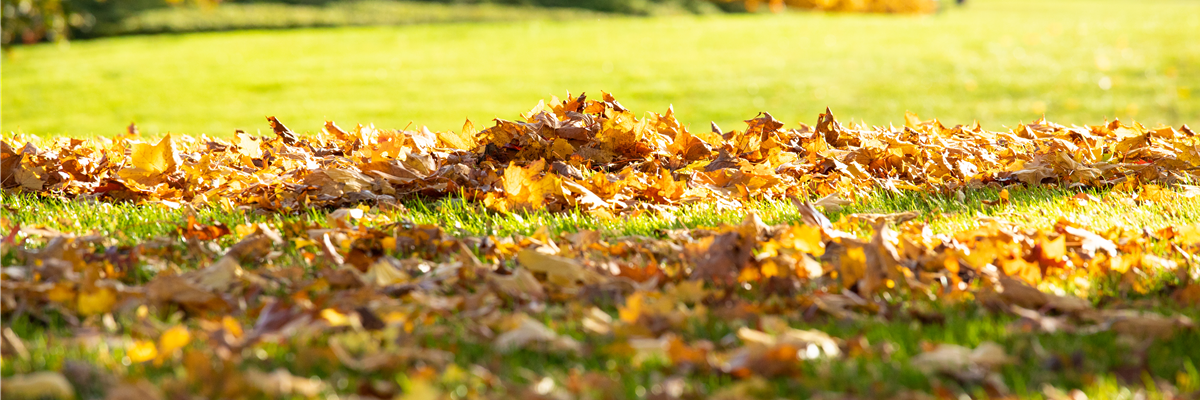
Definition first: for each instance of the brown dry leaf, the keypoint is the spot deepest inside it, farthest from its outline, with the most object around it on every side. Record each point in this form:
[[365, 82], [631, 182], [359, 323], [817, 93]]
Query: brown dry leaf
[[9, 160], [1188, 295], [520, 284], [38, 385], [142, 390], [282, 131], [812, 344], [526, 330], [832, 203], [562, 271], [1141, 324], [950, 358], [878, 219], [720, 259], [12, 345], [180, 290], [1009, 291], [195, 231], [281, 383], [383, 273]]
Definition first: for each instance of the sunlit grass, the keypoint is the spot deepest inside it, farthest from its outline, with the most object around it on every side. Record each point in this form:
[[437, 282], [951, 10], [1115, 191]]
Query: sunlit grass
[[999, 62], [1029, 208]]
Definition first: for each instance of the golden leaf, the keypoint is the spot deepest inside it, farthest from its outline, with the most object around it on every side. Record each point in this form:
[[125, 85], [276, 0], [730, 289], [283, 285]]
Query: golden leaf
[[149, 162], [173, 339], [96, 301], [141, 351]]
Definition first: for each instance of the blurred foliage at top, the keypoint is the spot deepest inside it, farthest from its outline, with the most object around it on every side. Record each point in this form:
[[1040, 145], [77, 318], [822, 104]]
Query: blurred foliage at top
[[32, 21], [872, 6]]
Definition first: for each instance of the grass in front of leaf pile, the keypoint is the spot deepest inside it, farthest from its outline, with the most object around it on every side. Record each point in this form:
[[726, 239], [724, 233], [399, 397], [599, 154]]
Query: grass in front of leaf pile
[[1001, 62], [1031, 207], [1100, 364]]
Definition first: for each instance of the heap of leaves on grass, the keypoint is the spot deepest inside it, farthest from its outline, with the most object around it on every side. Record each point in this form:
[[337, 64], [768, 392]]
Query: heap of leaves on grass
[[369, 294], [599, 157]]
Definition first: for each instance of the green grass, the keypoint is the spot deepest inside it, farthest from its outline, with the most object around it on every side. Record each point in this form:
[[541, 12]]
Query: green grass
[[1000, 62], [1033, 208]]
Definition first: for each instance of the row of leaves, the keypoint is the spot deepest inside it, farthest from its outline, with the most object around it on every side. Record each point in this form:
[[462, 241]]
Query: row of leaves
[[598, 157]]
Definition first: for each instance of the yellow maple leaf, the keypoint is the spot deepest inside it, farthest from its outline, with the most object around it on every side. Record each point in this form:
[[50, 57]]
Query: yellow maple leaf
[[524, 189], [853, 266], [141, 351], [248, 146], [98, 301], [173, 339], [149, 162]]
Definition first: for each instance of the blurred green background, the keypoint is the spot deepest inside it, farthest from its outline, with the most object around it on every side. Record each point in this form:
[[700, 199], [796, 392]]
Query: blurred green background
[[999, 62]]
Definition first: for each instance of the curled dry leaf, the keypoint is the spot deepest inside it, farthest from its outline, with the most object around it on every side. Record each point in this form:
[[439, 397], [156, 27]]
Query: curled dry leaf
[[811, 343], [526, 331], [1141, 324], [951, 358], [563, 272], [38, 385], [519, 285], [281, 383], [878, 219], [141, 390], [832, 203]]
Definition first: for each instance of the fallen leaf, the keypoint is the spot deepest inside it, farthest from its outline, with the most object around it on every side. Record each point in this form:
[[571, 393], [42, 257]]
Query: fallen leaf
[[141, 390], [832, 203], [281, 383], [528, 331], [950, 358], [562, 271], [37, 385]]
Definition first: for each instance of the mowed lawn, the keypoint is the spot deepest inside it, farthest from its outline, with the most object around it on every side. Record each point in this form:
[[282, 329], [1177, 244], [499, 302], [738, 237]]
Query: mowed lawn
[[999, 62]]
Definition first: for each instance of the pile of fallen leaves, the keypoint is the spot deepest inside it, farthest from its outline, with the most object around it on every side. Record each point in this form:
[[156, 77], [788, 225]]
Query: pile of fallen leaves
[[381, 297], [598, 157]]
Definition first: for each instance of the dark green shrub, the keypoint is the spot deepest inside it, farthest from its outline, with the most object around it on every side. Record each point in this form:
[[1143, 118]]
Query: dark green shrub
[[633, 7], [29, 21]]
